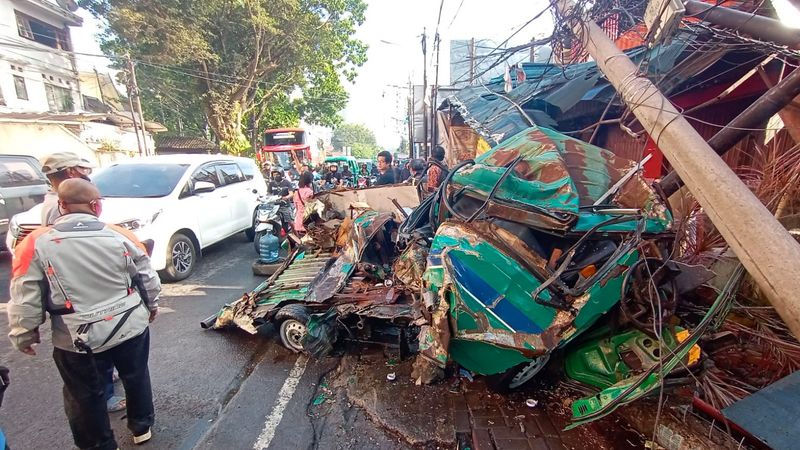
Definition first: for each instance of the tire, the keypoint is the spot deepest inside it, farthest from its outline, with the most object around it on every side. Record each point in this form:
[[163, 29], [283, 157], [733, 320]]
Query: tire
[[250, 234], [517, 376], [291, 321], [181, 258]]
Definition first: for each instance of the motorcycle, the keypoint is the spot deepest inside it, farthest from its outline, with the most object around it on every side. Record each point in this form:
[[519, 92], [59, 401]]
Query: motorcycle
[[272, 216]]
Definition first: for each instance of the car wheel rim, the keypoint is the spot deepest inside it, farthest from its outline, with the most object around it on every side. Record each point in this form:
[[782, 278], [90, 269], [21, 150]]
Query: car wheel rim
[[182, 257], [528, 372], [293, 333]]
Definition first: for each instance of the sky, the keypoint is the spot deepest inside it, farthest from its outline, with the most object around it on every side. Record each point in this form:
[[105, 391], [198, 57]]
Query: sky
[[392, 30]]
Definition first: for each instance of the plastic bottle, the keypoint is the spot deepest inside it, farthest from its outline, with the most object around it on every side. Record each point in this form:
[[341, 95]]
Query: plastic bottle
[[269, 249]]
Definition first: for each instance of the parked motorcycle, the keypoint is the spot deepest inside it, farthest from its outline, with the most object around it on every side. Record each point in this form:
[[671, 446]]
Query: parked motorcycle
[[272, 216]]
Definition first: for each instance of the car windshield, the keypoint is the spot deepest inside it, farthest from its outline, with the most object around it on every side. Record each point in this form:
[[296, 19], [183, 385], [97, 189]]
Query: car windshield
[[139, 180]]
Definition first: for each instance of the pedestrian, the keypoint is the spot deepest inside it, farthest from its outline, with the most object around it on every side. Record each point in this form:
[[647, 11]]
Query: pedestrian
[[417, 169], [385, 172], [301, 196], [405, 172], [96, 282], [437, 169], [58, 167]]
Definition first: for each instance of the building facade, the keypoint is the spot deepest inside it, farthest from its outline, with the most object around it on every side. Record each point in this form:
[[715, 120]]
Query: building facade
[[37, 69]]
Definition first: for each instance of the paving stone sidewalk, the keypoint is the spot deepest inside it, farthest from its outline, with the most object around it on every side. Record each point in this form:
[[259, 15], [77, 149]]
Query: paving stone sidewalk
[[466, 414]]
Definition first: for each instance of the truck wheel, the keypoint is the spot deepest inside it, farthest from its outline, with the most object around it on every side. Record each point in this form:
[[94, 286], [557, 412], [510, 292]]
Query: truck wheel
[[292, 329], [517, 376], [181, 258]]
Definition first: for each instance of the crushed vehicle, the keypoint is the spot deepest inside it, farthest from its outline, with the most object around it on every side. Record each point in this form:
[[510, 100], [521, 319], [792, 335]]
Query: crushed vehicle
[[535, 243], [543, 244], [337, 278]]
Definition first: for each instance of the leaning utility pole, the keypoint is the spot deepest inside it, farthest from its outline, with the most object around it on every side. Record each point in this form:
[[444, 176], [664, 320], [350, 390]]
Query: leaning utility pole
[[411, 119], [424, 93], [434, 96], [763, 246], [471, 61], [130, 106], [134, 90]]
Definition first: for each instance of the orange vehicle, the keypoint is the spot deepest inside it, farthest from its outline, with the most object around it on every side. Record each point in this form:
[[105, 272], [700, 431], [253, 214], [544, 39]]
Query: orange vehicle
[[286, 147]]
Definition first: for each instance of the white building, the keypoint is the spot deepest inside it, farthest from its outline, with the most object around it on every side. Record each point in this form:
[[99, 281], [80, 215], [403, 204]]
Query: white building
[[42, 108], [37, 70]]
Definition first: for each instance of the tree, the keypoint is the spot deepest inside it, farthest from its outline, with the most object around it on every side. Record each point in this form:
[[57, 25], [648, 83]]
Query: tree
[[360, 138], [235, 63]]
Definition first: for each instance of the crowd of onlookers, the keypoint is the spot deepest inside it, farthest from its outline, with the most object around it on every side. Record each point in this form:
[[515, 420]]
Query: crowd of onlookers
[[386, 170]]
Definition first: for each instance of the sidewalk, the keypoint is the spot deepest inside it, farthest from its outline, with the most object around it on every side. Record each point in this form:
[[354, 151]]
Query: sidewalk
[[467, 413]]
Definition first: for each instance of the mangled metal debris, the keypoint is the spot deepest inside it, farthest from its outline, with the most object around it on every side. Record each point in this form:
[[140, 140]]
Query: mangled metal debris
[[338, 276], [517, 255]]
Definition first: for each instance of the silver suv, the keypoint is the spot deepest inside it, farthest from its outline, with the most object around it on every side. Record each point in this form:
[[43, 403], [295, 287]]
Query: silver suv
[[22, 185]]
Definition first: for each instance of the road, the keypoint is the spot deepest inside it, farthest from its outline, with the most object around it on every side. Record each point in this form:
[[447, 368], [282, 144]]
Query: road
[[212, 389]]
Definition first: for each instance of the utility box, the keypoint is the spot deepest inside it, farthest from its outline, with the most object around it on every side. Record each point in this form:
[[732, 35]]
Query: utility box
[[662, 18]]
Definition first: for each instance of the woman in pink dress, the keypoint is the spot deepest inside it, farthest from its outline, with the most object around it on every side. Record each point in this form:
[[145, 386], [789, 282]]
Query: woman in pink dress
[[301, 196]]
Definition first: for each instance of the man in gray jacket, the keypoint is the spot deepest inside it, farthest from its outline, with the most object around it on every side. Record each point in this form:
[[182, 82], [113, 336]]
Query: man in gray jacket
[[59, 167], [96, 282]]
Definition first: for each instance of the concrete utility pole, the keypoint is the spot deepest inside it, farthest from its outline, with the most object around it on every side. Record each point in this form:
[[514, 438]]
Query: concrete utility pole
[[424, 93], [134, 90], [411, 119], [434, 97], [758, 112], [471, 61], [764, 247], [130, 106]]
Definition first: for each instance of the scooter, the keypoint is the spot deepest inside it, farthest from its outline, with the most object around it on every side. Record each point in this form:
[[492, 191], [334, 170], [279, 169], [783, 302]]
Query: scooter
[[272, 216]]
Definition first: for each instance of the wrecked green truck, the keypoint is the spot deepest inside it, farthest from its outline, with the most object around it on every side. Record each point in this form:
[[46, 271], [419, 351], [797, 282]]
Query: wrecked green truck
[[518, 254]]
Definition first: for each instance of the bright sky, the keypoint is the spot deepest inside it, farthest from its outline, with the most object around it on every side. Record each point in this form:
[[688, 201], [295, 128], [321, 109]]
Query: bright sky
[[393, 31], [378, 98]]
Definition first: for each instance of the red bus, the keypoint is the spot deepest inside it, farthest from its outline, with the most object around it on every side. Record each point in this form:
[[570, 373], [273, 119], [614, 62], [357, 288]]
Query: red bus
[[285, 146]]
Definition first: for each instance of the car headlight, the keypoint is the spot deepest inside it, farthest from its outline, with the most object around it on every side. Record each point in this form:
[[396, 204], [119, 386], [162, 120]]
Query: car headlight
[[135, 224], [13, 228]]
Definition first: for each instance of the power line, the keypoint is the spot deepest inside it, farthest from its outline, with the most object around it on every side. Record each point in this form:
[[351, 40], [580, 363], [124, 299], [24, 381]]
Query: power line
[[458, 10]]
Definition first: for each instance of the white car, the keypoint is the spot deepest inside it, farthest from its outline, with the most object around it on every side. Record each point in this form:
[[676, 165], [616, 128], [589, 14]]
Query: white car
[[175, 204]]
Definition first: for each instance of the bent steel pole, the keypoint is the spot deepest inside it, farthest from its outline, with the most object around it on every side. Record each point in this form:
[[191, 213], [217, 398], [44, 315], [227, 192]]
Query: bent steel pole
[[769, 104], [760, 27], [764, 247]]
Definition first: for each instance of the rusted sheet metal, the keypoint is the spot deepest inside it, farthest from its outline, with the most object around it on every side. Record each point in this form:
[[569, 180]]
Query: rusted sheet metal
[[380, 302], [410, 266], [556, 174], [365, 228], [378, 198], [284, 285]]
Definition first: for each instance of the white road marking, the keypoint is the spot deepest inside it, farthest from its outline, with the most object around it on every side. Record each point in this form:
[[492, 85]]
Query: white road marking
[[284, 395]]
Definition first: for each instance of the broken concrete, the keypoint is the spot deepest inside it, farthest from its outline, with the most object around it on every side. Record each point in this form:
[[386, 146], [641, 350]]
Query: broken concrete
[[459, 413]]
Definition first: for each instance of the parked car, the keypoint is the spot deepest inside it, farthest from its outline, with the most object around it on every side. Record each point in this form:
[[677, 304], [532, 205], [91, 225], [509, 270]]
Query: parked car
[[181, 204], [22, 185]]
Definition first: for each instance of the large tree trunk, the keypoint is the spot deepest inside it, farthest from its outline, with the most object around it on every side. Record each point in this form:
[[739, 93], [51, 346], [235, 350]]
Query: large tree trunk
[[225, 118]]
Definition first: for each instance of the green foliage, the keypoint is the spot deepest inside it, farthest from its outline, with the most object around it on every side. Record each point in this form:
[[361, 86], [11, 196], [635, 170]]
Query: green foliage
[[360, 138], [231, 64]]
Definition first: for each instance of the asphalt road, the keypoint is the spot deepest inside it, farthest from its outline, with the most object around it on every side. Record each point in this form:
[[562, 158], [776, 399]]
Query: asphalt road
[[212, 389]]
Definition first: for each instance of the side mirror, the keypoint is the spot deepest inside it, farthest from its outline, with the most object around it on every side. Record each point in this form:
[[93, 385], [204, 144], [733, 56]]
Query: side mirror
[[203, 186]]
